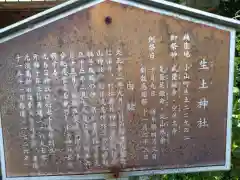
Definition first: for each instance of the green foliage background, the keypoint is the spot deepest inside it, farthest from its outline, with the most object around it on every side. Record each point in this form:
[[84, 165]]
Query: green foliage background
[[225, 9]]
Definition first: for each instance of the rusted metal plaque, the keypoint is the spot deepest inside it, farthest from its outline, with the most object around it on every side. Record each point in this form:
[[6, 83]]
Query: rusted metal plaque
[[114, 85]]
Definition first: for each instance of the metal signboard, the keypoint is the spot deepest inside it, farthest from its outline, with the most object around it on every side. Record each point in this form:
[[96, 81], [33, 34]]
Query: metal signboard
[[111, 84]]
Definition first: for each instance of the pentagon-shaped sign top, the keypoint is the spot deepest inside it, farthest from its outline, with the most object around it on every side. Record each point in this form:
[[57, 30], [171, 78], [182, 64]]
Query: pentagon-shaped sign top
[[91, 86]]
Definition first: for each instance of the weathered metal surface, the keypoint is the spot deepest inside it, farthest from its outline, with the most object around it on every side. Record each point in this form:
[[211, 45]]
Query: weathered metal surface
[[125, 29]]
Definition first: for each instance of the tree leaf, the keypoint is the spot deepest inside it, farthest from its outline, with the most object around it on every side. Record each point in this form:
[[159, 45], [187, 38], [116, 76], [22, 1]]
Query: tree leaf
[[235, 90], [236, 152]]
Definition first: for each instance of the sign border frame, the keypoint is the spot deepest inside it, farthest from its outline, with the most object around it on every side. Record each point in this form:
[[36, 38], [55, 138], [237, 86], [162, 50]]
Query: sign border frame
[[227, 165]]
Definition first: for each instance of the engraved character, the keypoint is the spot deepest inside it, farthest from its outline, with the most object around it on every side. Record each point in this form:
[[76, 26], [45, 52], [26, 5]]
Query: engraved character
[[39, 97], [187, 54], [145, 156], [119, 61], [163, 77], [143, 78], [186, 100], [203, 64], [45, 57], [100, 61], [109, 61], [143, 69], [152, 47], [174, 76], [153, 93], [203, 103], [152, 86], [175, 68], [144, 87], [202, 123], [108, 52], [21, 105], [90, 54], [118, 52], [186, 37], [187, 67], [30, 105], [130, 85], [27, 65], [151, 55], [144, 102], [174, 92], [162, 100], [173, 46], [38, 81], [144, 94], [27, 58], [62, 55], [162, 93], [173, 37], [29, 97], [187, 45], [151, 39], [174, 131], [162, 85], [186, 76], [154, 156], [40, 112], [154, 127], [186, 123]]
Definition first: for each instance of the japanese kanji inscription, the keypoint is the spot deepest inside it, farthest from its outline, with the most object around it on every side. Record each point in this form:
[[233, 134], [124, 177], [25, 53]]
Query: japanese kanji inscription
[[114, 85]]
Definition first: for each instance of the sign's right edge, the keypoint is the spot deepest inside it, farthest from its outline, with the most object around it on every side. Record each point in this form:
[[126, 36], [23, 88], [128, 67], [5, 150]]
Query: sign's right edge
[[230, 100]]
